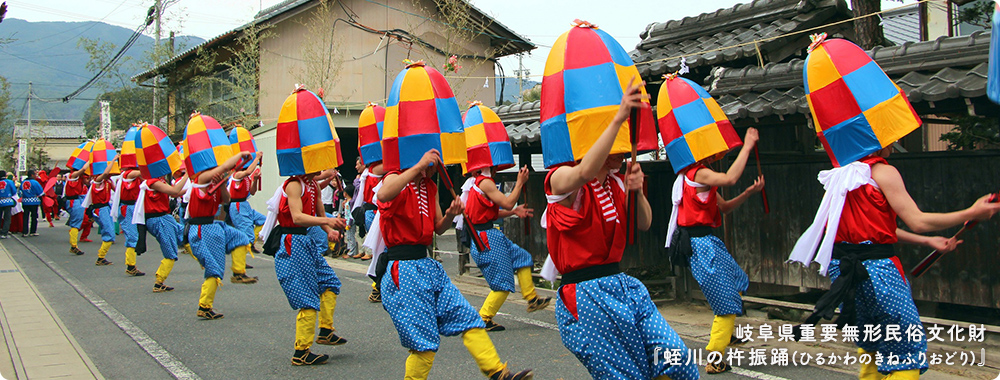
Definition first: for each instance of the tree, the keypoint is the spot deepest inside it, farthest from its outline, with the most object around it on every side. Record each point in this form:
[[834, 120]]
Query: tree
[[38, 158], [973, 132], [321, 52], [100, 52], [128, 105], [227, 85], [978, 13], [532, 94], [8, 145], [868, 30]]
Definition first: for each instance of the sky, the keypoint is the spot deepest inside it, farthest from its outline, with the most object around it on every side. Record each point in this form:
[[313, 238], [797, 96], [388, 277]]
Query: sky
[[541, 21]]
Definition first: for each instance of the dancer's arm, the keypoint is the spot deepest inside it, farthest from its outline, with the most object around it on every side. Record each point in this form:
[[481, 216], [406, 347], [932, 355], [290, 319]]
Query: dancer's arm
[[891, 184]]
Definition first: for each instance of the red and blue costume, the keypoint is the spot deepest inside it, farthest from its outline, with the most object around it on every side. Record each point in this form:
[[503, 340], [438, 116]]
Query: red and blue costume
[[599, 306], [243, 217], [302, 271], [501, 258]]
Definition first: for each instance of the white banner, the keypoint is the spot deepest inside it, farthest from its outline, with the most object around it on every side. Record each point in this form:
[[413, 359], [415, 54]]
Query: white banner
[[105, 119], [22, 155]]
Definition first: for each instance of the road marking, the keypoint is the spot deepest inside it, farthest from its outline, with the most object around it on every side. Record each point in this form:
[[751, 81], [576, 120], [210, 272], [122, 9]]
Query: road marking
[[157, 352], [755, 374], [530, 321]]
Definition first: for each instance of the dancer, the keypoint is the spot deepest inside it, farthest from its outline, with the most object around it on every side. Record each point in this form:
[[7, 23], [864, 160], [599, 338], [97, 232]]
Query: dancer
[[243, 217], [76, 185], [211, 239], [302, 232], [98, 201], [31, 192], [416, 292], [124, 197], [856, 244], [501, 259]]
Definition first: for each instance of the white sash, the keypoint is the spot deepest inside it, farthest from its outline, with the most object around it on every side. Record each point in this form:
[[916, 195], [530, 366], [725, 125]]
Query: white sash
[[272, 212], [676, 194], [139, 215], [374, 240], [837, 182], [469, 185], [116, 197], [189, 187]]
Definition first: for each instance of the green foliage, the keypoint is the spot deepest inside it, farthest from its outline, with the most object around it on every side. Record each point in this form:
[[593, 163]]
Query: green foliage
[[973, 132], [128, 105], [978, 13], [532, 94], [7, 115]]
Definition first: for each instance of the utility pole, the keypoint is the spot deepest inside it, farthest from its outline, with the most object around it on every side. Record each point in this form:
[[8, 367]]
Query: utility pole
[[156, 55], [521, 74], [22, 144]]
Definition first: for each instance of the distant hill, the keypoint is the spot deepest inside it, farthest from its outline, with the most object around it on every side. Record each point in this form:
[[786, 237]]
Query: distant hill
[[46, 54], [510, 88]]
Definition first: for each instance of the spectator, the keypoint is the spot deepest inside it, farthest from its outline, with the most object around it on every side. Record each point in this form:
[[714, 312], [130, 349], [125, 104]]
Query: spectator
[[60, 198], [7, 191], [349, 236], [31, 192]]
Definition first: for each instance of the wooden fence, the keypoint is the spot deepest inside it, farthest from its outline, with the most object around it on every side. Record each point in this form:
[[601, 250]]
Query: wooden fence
[[760, 243]]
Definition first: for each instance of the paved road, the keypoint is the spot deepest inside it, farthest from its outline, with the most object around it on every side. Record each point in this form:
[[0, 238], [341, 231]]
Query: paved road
[[108, 312]]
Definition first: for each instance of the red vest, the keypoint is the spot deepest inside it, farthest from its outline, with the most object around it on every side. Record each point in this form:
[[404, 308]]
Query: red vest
[[100, 192], [310, 196], [203, 204], [592, 235], [867, 215], [155, 200], [239, 188], [480, 209], [130, 190], [74, 187], [693, 211], [409, 218], [368, 188]]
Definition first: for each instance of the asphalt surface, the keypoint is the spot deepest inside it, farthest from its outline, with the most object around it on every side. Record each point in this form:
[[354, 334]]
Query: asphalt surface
[[255, 338]]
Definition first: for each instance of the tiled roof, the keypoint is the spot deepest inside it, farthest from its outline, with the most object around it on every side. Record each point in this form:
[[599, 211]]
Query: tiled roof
[[741, 24], [51, 129], [902, 25], [521, 121], [929, 71]]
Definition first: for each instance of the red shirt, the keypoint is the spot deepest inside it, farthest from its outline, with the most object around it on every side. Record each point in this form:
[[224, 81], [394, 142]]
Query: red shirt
[[409, 218], [593, 234], [74, 187], [310, 197], [479, 208], [130, 190], [203, 204], [239, 188], [693, 211], [100, 192], [155, 200], [867, 215], [368, 188]]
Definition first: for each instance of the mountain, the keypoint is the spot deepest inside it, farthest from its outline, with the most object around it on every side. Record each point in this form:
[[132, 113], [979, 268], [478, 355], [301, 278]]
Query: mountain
[[46, 54], [510, 88]]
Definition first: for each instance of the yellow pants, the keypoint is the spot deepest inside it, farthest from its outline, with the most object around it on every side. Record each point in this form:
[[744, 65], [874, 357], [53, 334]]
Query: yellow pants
[[167, 265], [418, 365], [492, 304], [240, 259], [327, 304], [482, 350], [870, 371], [527, 283], [722, 332], [256, 233], [305, 329], [130, 257], [208, 289], [74, 237], [103, 251]]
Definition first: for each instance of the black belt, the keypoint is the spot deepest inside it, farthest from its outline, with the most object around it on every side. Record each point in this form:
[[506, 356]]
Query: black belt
[[590, 273], [680, 250], [399, 253], [72, 197], [127, 203], [201, 220], [483, 226], [237, 200], [99, 205], [369, 206], [151, 215], [273, 241], [852, 274]]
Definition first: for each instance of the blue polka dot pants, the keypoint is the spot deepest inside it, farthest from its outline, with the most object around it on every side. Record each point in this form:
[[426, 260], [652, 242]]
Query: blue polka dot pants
[[615, 330], [303, 272], [885, 299], [242, 217], [369, 219], [75, 213], [211, 242], [318, 238], [718, 275], [424, 304], [129, 228], [499, 262], [167, 232], [103, 217]]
